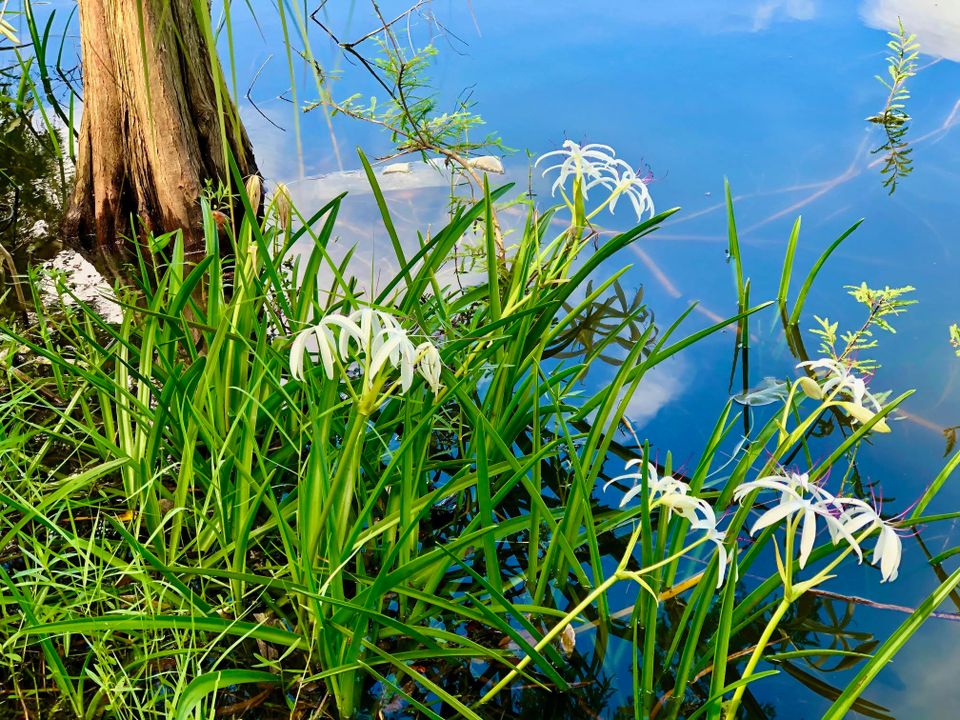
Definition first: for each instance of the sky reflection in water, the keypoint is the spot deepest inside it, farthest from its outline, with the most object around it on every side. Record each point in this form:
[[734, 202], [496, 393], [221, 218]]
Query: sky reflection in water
[[774, 96]]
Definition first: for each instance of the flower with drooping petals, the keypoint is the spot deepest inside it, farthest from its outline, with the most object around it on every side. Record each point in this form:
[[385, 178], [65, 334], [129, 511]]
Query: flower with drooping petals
[[676, 496], [861, 405], [621, 179], [857, 517], [708, 523], [375, 339], [800, 497], [596, 165], [587, 163]]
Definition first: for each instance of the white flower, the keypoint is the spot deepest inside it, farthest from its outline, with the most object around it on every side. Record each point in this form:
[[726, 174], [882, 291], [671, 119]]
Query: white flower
[[858, 516], [668, 491], [675, 495], [637, 478], [621, 179], [708, 523], [887, 552], [376, 340], [595, 165], [427, 358], [325, 345], [792, 483], [861, 405], [819, 504], [587, 163]]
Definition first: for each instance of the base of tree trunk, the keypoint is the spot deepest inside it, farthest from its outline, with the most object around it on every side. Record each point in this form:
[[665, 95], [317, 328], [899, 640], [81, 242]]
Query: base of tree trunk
[[153, 134]]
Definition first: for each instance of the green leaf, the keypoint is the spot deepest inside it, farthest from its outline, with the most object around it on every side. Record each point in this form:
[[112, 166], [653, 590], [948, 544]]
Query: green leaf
[[208, 684], [890, 648]]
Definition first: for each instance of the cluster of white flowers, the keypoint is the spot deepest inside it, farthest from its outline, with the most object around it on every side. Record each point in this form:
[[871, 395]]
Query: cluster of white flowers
[[676, 496], [597, 165], [838, 378], [377, 339], [844, 518]]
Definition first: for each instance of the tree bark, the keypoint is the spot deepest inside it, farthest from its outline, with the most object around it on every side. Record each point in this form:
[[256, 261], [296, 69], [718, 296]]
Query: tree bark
[[151, 132]]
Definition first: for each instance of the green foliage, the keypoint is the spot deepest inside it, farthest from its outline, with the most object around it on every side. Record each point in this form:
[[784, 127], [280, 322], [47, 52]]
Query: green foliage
[[880, 304], [896, 151], [189, 527], [901, 66], [219, 196], [181, 502], [410, 112]]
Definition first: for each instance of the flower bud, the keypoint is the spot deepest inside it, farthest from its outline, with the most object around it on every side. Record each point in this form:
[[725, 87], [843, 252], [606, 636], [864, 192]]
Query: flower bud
[[810, 387], [254, 187], [281, 204]]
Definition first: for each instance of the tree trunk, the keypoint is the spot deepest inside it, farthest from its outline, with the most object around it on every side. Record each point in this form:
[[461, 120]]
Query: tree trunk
[[151, 132]]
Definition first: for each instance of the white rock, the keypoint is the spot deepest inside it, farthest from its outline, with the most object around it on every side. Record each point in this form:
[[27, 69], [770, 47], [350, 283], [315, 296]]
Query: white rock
[[84, 282], [487, 163], [397, 168]]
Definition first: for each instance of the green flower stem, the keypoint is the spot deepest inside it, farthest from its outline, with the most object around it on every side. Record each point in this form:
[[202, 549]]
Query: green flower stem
[[730, 712], [621, 573], [552, 635], [791, 593]]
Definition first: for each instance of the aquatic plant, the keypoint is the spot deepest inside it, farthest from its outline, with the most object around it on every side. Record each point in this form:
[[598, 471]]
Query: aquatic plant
[[257, 494], [901, 66], [372, 493], [596, 165]]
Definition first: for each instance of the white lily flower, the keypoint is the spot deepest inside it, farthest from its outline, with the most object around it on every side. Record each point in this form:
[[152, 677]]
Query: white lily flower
[[676, 496], [887, 552], [862, 405], [636, 477], [814, 503], [858, 517], [621, 179], [795, 483], [708, 523], [390, 349], [325, 346], [427, 358], [668, 491], [588, 162], [375, 339]]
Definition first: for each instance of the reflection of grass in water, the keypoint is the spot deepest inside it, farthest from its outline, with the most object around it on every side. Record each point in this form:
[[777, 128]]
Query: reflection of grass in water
[[30, 187], [897, 163], [901, 65]]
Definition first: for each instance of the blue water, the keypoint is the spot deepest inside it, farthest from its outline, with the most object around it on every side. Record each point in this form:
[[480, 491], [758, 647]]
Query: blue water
[[772, 95]]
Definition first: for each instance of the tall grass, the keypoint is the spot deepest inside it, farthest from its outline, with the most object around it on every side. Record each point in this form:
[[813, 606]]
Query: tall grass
[[186, 523], [189, 526]]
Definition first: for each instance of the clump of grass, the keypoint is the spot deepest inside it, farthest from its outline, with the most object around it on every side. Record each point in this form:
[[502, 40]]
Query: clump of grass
[[197, 511]]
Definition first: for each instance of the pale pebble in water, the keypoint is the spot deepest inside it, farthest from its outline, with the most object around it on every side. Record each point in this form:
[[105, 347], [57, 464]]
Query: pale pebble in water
[[487, 163], [403, 167]]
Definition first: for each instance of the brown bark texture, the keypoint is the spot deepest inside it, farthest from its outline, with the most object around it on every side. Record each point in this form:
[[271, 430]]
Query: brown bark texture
[[151, 132]]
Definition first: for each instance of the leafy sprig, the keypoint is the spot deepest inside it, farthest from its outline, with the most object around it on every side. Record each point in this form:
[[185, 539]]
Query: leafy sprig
[[901, 66], [881, 304]]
